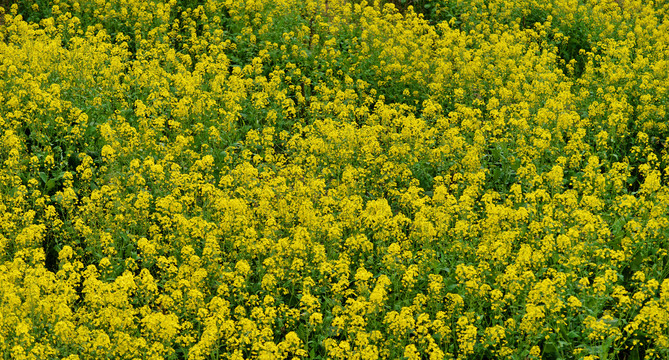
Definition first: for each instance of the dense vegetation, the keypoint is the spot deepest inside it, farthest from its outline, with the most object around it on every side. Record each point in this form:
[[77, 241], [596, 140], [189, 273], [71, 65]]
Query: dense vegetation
[[196, 179]]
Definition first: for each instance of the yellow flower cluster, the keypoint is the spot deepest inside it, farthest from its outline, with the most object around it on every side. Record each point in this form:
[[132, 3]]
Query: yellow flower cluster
[[292, 179]]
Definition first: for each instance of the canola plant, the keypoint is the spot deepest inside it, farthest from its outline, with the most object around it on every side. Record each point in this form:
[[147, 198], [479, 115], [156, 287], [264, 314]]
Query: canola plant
[[334, 179]]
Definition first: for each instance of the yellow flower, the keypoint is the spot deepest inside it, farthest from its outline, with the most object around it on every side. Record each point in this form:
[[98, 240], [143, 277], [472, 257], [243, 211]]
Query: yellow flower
[[411, 352], [535, 351], [467, 334]]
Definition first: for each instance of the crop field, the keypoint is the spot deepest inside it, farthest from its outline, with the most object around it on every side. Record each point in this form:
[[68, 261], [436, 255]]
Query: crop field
[[334, 179]]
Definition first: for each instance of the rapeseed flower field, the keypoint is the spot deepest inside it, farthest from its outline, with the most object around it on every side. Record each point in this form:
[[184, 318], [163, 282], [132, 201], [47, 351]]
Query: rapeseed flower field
[[334, 179]]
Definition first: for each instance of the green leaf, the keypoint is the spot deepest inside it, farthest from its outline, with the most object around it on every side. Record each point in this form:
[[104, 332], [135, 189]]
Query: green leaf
[[50, 184], [550, 348], [634, 355]]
